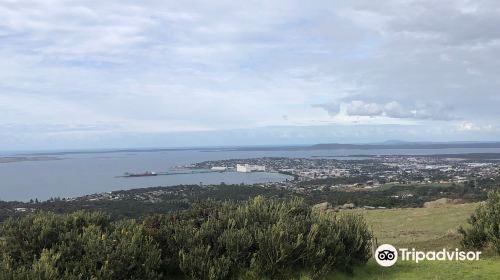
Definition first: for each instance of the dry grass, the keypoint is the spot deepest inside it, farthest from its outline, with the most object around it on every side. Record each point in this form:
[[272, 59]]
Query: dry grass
[[423, 228]]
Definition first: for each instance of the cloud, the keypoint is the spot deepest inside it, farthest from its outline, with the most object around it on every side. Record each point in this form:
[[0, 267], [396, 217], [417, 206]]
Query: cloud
[[165, 66], [332, 108], [360, 108], [393, 109], [470, 126], [433, 111]]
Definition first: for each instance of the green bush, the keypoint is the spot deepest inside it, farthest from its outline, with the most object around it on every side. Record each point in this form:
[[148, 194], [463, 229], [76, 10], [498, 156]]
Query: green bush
[[213, 240], [258, 238], [76, 246], [484, 227]]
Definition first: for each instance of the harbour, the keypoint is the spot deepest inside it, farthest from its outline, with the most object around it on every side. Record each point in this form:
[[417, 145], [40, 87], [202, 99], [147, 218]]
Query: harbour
[[77, 174]]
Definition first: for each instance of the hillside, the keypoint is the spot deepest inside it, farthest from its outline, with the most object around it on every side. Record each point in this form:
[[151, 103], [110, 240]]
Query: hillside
[[423, 229]]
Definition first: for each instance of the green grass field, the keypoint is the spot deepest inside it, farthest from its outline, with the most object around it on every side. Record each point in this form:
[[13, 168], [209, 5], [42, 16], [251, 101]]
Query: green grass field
[[423, 229], [445, 270]]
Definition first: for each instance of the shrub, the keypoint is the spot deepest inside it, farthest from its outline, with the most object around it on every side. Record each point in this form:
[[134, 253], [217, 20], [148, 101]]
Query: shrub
[[257, 239], [76, 246], [484, 225]]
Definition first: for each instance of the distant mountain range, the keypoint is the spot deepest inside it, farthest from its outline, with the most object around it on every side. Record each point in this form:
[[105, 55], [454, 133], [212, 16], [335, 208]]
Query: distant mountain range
[[392, 144], [385, 145]]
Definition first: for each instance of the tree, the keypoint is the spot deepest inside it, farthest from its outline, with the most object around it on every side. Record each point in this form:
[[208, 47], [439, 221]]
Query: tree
[[484, 225]]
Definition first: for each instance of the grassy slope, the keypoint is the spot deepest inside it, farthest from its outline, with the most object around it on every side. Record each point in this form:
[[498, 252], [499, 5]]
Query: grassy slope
[[423, 229], [446, 270]]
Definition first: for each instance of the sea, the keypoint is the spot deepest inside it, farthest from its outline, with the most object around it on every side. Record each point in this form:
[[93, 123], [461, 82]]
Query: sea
[[81, 173]]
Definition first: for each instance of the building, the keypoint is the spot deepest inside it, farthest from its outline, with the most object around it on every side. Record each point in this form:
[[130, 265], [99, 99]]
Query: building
[[250, 168], [219, 168]]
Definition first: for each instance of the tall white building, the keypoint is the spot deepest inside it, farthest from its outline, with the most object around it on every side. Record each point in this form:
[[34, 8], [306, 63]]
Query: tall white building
[[249, 168]]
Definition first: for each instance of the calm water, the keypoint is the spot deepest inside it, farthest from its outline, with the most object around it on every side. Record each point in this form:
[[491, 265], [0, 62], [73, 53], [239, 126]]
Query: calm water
[[79, 174]]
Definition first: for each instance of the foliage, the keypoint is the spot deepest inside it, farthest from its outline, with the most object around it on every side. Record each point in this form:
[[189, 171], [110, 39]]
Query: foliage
[[76, 246], [257, 239], [484, 223], [137, 203]]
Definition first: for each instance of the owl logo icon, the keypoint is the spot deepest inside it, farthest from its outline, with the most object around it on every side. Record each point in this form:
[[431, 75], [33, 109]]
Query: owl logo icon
[[386, 255]]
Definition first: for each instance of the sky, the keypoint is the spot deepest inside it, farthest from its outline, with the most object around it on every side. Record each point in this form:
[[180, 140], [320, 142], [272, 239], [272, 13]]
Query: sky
[[101, 74]]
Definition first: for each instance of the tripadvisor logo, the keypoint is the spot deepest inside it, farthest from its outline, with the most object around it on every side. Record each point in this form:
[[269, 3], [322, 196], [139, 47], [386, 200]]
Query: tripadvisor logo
[[387, 255]]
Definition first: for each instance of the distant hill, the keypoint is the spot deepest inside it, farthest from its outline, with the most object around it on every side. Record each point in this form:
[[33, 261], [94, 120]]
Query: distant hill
[[391, 144], [409, 145], [385, 145]]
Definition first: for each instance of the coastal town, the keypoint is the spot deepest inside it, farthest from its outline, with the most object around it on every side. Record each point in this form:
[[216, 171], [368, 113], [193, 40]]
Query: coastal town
[[377, 170], [361, 173]]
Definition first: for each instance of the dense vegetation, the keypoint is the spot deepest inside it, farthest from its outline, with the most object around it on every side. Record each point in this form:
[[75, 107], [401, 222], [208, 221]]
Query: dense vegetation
[[178, 198], [255, 239], [397, 196], [484, 230]]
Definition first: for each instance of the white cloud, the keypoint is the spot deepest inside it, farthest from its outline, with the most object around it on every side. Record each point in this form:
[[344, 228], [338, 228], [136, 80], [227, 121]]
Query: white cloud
[[360, 108], [470, 126], [393, 109], [167, 66]]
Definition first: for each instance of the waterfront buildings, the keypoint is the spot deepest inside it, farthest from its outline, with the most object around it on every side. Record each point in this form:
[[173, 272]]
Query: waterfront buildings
[[250, 168]]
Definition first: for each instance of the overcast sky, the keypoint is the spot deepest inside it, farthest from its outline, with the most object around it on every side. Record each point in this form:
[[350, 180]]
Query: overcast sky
[[116, 73]]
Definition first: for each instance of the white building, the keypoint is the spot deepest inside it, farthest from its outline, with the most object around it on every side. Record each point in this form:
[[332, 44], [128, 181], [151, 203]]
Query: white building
[[249, 168], [219, 168]]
